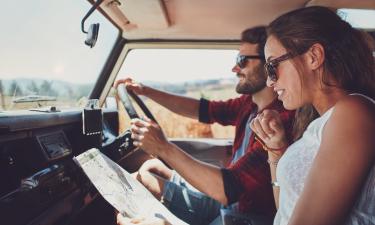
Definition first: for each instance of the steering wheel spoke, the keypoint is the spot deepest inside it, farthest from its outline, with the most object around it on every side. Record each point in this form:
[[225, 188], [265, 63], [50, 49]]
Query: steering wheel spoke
[[124, 94]]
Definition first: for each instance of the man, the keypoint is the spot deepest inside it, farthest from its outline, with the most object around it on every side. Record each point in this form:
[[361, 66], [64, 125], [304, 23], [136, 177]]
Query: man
[[247, 179]]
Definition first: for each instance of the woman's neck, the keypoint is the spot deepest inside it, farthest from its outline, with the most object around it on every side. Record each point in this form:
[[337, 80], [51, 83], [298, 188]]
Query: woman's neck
[[323, 100]]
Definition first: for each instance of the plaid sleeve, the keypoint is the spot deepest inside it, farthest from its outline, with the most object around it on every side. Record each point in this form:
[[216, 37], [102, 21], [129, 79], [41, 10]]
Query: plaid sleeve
[[251, 171], [222, 112], [247, 175]]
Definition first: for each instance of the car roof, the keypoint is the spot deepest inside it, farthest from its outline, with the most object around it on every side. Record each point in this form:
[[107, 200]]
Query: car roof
[[203, 19]]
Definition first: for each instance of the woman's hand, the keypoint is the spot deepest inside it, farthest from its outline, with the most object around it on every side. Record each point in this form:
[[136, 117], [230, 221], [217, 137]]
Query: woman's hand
[[148, 135], [140, 221], [269, 128], [130, 84]]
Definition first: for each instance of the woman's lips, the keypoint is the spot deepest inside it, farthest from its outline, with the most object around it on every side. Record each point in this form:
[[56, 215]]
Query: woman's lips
[[280, 93]]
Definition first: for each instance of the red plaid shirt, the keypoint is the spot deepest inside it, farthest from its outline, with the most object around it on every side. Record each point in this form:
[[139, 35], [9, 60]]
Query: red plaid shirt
[[248, 180]]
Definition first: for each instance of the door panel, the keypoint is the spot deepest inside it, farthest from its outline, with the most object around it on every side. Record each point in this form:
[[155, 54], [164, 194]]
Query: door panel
[[213, 151]]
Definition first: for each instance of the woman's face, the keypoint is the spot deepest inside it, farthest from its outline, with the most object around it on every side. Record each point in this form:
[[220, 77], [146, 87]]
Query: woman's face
[[288, 84]]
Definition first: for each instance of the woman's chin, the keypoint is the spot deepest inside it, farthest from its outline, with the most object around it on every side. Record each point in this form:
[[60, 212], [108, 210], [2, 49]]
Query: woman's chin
[[289, 106]]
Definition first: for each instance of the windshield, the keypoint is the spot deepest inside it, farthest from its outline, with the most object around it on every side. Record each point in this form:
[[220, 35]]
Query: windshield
[[196, 73], [44, 61]]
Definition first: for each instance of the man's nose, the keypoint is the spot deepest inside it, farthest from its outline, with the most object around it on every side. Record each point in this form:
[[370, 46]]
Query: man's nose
[[236, 69]]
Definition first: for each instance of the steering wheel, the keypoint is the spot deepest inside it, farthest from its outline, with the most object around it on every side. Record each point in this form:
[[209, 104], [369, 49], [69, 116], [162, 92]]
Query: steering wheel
[[124, 94], [122, 145]]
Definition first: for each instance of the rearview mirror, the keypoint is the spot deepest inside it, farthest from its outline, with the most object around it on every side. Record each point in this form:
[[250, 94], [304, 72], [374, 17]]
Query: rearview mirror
[[92, 35]]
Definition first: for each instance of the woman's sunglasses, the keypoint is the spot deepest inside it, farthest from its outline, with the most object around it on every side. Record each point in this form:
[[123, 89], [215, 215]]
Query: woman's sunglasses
[[241, 60], [270, 66]]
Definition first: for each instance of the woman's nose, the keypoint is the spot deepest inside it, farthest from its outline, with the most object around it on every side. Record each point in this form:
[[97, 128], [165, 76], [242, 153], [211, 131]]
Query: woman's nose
[[270, 83]]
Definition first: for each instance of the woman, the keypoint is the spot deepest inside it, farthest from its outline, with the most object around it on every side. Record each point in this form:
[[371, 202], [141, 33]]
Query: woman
[[327, 176]]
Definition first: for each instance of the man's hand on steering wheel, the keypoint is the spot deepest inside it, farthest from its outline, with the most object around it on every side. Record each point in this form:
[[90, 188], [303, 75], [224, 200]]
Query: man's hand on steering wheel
[[131, 85], [124, 90]]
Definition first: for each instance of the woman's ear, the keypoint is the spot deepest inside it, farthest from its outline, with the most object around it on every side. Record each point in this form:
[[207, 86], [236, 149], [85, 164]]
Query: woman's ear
[[315, 56]]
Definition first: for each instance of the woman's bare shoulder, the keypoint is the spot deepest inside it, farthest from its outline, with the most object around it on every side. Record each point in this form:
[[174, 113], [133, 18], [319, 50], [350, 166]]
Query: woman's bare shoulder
[[355, 108], [350, 129], [353, 118]]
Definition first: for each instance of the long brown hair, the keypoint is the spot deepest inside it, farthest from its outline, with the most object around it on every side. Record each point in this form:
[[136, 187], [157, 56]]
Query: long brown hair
[[302, 118], [348, 57]]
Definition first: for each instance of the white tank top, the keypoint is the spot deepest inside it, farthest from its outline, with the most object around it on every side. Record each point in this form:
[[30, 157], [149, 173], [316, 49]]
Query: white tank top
[[294, 167]]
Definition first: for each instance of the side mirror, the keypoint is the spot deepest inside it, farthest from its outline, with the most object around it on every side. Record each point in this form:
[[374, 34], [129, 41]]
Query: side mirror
[[92, 35]]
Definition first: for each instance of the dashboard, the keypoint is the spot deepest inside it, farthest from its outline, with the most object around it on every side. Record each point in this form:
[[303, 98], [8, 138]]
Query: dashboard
[[38, 175]]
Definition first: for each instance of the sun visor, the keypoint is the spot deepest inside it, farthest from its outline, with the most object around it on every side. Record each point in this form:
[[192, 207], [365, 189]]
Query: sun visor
[[149, 14]]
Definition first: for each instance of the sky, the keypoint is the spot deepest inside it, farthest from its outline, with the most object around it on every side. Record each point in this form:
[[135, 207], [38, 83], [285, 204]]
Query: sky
[[32, 46], [35, 47], [43, 39], [179, 65]]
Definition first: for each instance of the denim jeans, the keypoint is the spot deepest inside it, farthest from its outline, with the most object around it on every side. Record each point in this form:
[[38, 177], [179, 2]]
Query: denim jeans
[[189, 204]]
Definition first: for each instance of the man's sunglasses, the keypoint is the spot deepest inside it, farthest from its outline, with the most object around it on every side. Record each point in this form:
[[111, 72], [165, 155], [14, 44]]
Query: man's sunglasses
[[241, 60], [270, 66]]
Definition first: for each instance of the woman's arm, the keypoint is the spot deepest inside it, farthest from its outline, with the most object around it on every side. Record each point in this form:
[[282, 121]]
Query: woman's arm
[[270, 132], [273, 159], [345, 157]]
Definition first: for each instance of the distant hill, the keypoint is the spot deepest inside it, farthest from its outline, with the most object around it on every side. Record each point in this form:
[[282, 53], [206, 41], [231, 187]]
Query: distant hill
[[184, 87], [56, 88], [63, 89]]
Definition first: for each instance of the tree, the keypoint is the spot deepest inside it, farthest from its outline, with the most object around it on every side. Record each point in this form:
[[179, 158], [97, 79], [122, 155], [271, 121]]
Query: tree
[[2, 93], [15, 89], [46, 89], [33, 88]]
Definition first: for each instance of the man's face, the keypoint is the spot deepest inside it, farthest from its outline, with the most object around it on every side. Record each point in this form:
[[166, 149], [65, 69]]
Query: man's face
[[252, 77]]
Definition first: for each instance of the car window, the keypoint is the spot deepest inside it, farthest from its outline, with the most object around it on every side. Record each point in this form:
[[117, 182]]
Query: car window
[[191, 72], [44, 61], [359, 18]]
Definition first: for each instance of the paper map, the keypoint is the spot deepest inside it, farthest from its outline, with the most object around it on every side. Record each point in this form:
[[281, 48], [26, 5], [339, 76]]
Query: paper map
[[120, 189]]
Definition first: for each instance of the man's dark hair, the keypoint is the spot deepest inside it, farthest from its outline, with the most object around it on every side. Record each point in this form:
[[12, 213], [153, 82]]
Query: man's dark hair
[[255, 35]]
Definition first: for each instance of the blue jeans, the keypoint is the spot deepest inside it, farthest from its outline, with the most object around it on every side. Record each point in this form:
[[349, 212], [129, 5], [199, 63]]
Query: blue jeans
[[189, 204]]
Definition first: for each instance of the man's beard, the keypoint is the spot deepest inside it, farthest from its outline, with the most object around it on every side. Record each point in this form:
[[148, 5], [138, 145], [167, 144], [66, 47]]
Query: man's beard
[[253, 83]]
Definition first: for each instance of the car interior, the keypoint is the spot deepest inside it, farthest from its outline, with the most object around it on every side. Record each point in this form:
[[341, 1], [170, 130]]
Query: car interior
[[40, 134]]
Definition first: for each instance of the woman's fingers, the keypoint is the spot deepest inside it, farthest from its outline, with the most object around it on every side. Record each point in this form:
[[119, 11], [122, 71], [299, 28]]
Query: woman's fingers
[[268, 127], [265, 120], [257, 128], [276, 126]]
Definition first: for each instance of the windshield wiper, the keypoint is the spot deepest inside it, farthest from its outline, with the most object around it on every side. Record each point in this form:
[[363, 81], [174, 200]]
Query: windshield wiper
[[34, 98]]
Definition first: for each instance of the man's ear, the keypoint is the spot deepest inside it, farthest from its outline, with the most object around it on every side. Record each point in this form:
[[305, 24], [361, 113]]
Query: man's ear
[[316, 56]]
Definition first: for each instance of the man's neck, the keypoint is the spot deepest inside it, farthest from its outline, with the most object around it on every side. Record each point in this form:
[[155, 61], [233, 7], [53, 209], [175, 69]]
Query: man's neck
[[264, 97]]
